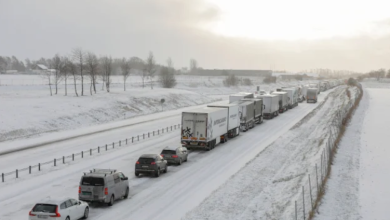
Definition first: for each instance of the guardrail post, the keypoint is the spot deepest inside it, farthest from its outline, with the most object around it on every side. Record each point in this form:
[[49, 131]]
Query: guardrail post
[[39, 166], [153, 133], [17, 175], [138, 137], [72, 157], [98, 149], [126, 141], [82, 154], [120, 143], [106, 147], [90, 152], [63, 159], [55, 161], [148, 135], [2, 177], [113, 145], [29, 169], [132, 139], [167, 129], [143, 135], [158, 131]]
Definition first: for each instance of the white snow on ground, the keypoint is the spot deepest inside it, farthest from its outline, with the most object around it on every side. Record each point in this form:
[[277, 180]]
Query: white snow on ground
[[169, 197], [267, 186], [358, 187], [341, 200]]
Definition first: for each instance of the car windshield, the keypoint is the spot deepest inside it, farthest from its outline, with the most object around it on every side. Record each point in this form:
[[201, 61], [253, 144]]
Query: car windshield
[[146, 160], [92, 181], [168, 152], [45, 208]]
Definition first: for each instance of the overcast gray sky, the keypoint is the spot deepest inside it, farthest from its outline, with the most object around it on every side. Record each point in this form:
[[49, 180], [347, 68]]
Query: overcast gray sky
[[245, 34]]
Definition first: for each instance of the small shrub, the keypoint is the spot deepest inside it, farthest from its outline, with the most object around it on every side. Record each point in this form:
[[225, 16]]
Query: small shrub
[[247, 82], [231, 80], [167, 78], [270, 79], [352, 82]]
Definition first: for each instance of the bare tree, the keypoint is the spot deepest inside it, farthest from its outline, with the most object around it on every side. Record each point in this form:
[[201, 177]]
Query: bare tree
[[65, 72], [193, 65], [144, 74], [79, 59], [73, 70], [107, 70], [57, 64], [170, 63], [126, 68], [150, 68], [92, 67], [48, 75]]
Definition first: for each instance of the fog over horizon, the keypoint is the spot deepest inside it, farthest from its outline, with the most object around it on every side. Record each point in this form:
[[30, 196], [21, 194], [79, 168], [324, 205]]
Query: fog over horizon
[[350, 35]]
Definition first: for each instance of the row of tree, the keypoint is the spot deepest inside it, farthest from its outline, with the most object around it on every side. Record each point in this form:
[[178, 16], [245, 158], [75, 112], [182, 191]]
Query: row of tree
[[12, 63], [87, 67]]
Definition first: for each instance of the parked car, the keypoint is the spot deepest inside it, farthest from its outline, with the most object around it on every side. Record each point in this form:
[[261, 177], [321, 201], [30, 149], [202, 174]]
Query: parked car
[[59, 209], [103, 186], [151, 164], [175, 155]]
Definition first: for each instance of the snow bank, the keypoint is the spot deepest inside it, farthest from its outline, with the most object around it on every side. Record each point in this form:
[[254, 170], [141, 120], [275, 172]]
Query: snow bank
[[268, 186]]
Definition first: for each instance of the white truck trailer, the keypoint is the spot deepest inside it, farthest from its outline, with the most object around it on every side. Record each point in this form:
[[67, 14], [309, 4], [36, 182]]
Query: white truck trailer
[[271, 106], [283, 101], [240, 96], [315, 85], [258, 109], [312, 95], [304, 91], [233, 118], [204, 128], [292, 97]]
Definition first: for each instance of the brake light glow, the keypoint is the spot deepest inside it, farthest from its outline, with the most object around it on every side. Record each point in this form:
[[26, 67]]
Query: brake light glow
[[30, 214], [106, 191], [174, 156], [79, 189], [137, 162], [153, 163], [162, 155], [57, 215]]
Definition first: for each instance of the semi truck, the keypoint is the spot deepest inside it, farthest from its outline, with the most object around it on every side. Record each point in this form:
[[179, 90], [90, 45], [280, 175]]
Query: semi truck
[[283, 101], [271, 106], [246, 113], [311, 95], [315, 85], [304, 91], [204, 128], [233, 118], [258, 109], [292, 94], [240, 96]]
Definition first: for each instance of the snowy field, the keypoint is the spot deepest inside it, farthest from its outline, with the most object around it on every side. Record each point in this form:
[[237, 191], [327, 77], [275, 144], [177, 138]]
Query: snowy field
[[30, 111], [169, 197], [358, 187]]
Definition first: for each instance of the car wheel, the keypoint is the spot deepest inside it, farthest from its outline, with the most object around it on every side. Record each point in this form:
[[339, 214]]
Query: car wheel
[[86, 213], [157, 173], [111, 201], [127, 194], [67, 218], [180, 162], [166, 169], [136, 174]]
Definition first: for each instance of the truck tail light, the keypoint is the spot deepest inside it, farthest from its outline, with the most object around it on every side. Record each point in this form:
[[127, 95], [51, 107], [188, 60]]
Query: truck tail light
[[79, 189], [137, 162], [106, 191]]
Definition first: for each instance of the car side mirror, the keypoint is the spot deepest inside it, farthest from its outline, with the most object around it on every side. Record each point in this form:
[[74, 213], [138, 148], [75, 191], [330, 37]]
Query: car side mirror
[[125, 178], [79, 203]]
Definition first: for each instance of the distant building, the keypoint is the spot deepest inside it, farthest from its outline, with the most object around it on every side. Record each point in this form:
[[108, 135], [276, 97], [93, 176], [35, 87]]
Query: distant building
[[40, 69], [225, 72]]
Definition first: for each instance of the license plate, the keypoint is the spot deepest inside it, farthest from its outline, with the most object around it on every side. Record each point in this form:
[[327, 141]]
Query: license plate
[[194, 143], [43, 216], [87, 193], [145, 166]]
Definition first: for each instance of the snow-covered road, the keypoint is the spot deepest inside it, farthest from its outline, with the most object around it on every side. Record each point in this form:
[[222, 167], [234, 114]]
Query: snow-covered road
[[169, 197]]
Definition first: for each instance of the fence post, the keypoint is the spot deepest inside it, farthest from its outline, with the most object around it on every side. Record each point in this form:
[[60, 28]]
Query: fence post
[[303, 197], [321, 166], [311, 199], [138, 137], [296, 214], [2, 177], [317, 181], [171, 127], [17, 175], [55, 161], [63, 159], [120, 143], [82, 154], [72, 157], [29, 169], [39, 166]]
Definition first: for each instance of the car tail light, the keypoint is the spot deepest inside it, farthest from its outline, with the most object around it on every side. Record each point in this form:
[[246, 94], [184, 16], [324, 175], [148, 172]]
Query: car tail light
[[174, 156], [162, 155], [137, 162], [79, 189], [30, 214], [106, 191], [57, 215], [153, 163]]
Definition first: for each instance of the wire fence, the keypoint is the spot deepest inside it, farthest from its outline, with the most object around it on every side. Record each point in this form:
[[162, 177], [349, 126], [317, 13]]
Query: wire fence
[[314, 187], [85, 153]]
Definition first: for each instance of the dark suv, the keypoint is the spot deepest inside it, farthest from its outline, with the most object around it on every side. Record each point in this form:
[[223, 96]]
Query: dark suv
[[175, 155], [151, 164]]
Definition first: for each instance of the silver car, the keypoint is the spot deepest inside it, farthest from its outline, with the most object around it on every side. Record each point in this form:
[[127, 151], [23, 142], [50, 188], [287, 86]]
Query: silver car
[[175, 155], [103, 186]]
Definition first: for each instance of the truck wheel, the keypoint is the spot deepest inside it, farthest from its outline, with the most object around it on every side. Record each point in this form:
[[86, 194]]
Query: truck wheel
[[111, 201], [136, 174]]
